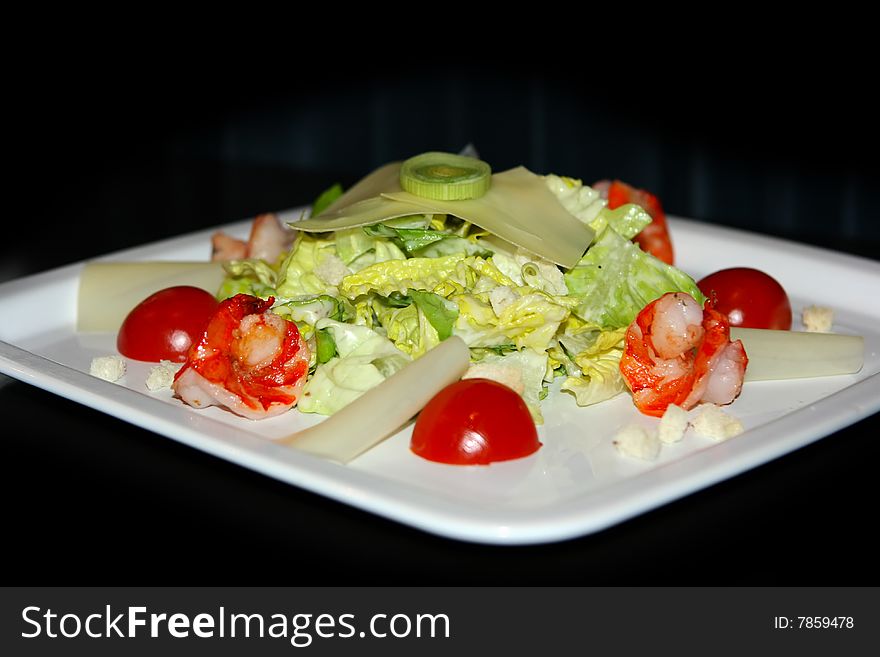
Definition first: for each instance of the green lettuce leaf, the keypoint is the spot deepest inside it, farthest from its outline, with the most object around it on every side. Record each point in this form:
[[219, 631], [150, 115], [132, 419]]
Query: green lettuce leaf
[[326, 199], [364, 359], [358, 250], [586, 204], [439, 275], [408, 328], [601, 380], [581, 200], [309, 310], [438, 311], [529, 321], [422, 236], [312, 267], [409, 239], [595, 376], [626, 220], [352, 243], [526, 268], [251, 276], [525, 371], [454, 245], [616, 279], [416, 322], [325, 346]]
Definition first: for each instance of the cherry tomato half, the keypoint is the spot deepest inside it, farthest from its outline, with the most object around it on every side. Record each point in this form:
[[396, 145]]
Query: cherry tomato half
[[475, 422], [164, 325], [749, 297]]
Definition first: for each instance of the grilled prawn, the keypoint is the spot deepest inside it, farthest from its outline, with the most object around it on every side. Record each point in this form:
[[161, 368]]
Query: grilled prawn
[[269, 238], [249, 360], [678, 353]]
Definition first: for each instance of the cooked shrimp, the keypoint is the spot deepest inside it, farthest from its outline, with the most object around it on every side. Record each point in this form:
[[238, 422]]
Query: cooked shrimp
[[677, 353], [249, 360], [268, 240], [720, 364], [224, 247]]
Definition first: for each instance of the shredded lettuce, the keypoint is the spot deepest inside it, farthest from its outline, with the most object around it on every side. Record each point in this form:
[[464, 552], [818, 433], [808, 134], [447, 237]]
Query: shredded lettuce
[[626, 220], [363, 360], [371, 298], [593, 358], [408, 328], [530, 321], [616, 279], [581, 200], [446, 275], [309, 310], [311, 267], [408, 239], [526, 268], [251, 276], [325, 346], [454, 245], [415, 322], [601, 380], [437, 310]]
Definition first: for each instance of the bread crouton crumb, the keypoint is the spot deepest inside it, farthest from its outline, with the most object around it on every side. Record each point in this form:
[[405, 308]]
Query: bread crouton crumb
[[714, 423], [162, 375], [109, 368], [672, 425], [817, 319], [636, 441]]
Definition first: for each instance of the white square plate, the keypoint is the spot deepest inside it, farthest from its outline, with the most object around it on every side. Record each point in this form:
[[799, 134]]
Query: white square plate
[[576, 484]]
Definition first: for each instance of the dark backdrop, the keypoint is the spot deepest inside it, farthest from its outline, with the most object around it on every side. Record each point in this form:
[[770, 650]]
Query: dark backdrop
[[112, 159]]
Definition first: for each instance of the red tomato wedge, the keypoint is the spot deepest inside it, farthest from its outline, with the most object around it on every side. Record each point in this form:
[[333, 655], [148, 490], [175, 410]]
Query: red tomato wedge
[[475, 422], [166, 324], [654, 238], [749, 297]]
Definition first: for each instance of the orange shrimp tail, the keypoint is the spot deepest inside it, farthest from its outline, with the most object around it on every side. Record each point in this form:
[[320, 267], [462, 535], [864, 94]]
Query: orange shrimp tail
[[684, 380], [213, 359], [652, 387]]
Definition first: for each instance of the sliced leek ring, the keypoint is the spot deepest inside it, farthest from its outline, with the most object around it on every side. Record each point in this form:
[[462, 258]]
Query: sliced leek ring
[[445, 177]]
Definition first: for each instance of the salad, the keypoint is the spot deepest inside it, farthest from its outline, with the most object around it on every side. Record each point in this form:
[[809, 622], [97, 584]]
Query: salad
[[543, 280], [371, 298]]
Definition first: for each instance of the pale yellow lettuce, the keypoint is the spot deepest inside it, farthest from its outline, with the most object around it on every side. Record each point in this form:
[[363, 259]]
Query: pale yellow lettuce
[[364, 359]]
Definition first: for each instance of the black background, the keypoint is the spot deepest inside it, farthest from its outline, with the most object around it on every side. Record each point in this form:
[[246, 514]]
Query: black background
[[113, 154]]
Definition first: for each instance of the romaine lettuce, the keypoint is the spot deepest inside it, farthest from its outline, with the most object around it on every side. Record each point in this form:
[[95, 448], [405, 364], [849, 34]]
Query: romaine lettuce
[[525, 371], [530, 321], [440, 275], [364, 359], [596, 355], [581, 200], [309, 310], [251, 276], [311, 267], [616, 279]]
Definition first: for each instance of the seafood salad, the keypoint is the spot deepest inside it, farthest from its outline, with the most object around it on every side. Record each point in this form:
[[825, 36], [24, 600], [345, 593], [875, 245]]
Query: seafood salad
[[582, 292]]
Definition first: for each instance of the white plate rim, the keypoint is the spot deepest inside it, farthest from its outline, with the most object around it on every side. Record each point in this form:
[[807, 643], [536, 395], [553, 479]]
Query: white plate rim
[[614, 503]]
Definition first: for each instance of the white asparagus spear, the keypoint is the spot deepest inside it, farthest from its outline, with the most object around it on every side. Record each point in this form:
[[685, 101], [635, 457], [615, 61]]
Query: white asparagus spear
[[108, 291], [798, 355], [383, 410]]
